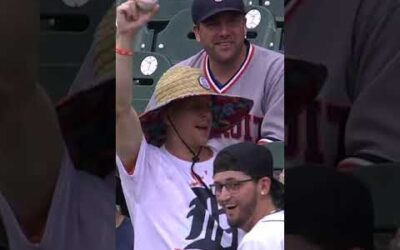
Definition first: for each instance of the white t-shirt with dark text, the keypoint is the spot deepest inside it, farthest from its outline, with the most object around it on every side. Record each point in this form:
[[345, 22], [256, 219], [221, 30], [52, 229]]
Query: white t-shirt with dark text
[[170, 210]]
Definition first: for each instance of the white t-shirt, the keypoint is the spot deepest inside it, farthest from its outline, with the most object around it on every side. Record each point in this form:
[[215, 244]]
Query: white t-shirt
[[169, 209], [267, 234]]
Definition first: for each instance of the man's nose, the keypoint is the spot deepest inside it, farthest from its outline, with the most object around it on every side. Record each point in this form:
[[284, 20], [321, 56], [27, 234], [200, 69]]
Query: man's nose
[[224, 29], [224, 194]]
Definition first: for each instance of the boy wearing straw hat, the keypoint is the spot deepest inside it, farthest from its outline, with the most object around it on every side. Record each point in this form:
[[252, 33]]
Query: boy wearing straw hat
[[163, 159]]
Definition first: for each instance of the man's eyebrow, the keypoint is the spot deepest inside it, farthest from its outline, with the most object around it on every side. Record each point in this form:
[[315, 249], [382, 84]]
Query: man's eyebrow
[[226, 180]]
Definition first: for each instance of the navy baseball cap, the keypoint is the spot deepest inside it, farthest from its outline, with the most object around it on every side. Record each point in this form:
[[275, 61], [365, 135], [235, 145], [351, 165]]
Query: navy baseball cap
[[203, 9]]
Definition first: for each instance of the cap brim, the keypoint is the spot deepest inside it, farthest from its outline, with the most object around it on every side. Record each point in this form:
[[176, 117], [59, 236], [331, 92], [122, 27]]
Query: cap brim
[[87, 121], [303, 81]]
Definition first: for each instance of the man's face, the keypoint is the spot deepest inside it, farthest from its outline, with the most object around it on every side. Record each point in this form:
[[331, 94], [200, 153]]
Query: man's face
[[222, 36], [241, 201], [192, 117]]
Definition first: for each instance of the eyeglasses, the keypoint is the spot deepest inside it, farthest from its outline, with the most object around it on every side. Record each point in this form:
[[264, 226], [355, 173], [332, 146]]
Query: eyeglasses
[[230, 186]]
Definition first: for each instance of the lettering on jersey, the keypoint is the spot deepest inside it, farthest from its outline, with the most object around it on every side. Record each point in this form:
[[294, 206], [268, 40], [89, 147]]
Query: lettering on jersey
[[317, 134], [249, 129], [205, 213]]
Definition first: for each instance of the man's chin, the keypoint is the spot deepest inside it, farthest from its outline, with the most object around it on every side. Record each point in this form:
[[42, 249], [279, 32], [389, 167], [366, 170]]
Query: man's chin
[[233, 222], [224, 58]]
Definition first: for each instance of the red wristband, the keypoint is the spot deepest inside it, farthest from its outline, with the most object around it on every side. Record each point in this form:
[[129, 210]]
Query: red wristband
[[123, 52]]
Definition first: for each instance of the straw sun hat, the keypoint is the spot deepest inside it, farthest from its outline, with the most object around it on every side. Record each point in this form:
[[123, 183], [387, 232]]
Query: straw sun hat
[[182, 82]]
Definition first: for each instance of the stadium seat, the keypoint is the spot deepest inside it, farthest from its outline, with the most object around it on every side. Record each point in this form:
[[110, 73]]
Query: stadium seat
[[250, 2], [67, 32], [279, 43], [144, 40], [278, 154], [261, 27], [169, 8], [177, 41], [383, 182], [276, 7], [148, 67]]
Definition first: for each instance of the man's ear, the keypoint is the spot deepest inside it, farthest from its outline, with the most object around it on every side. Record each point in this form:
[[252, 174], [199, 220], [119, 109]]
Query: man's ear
[[264, 186], [196, 30]]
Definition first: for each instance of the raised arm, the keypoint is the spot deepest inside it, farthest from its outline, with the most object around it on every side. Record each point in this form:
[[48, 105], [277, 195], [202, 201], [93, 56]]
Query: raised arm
[[129, 133]]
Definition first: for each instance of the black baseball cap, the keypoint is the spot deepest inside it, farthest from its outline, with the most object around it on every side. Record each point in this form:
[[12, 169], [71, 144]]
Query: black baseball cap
[[252, 159], [203, 9]]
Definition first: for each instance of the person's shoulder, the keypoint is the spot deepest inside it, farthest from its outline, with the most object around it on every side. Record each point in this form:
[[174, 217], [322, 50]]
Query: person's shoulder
[[265, 235], [278, 216], [193, 61], [274, 219], [268, 58], [273, 224], [254, 241], [267, 52]]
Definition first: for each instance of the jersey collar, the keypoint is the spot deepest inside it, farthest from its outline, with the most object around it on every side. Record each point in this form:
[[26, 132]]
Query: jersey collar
[[222, 89]]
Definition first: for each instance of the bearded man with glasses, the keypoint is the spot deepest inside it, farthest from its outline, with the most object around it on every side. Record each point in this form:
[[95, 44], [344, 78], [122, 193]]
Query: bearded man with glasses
[[252, 199]]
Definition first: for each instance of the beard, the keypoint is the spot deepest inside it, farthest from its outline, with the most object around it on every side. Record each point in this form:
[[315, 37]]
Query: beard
[[226, 58], [246, 213]]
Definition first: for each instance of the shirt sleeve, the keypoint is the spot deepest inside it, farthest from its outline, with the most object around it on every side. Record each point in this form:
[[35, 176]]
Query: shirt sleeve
[[131, 182], [272, 128], [373, 123]]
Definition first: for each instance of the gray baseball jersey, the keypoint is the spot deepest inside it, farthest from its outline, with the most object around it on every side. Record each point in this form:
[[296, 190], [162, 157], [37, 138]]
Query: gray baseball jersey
[[260, 78], [359, 42]]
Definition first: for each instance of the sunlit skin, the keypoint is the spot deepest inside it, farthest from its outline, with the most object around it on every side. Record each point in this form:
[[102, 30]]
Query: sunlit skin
[[192, 118], [222, 37]]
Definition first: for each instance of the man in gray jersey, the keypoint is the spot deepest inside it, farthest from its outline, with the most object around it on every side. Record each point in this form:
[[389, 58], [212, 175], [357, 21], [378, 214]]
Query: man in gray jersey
[[232, 65], [45, 203], [359, 42]]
